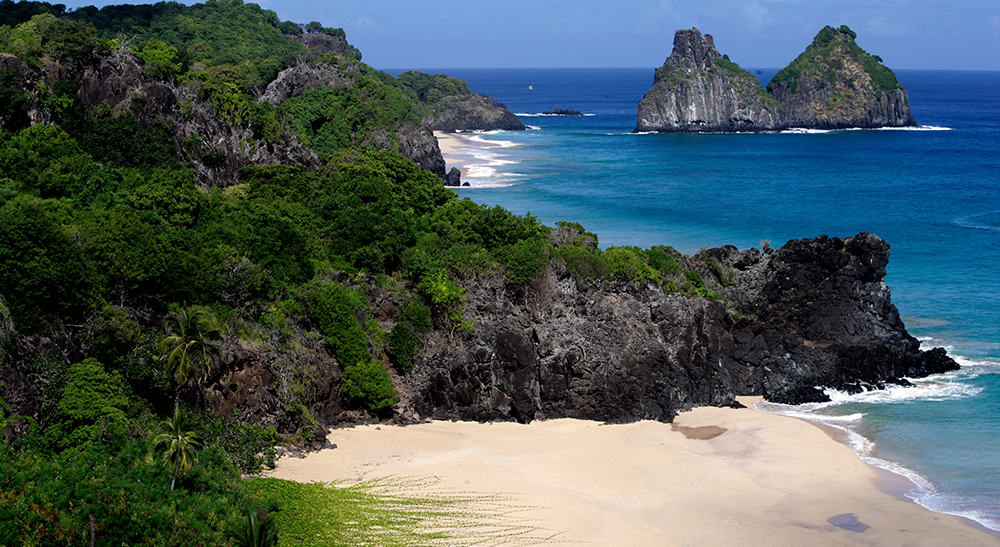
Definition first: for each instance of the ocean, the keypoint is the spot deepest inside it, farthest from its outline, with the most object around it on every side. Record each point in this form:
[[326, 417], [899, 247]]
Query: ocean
[[930, 191]]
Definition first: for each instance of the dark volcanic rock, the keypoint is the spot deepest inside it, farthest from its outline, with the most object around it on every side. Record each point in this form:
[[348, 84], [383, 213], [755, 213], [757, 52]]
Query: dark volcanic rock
[[475, 112], [453, 178], [699, 90], [563, 112], [814, 313]]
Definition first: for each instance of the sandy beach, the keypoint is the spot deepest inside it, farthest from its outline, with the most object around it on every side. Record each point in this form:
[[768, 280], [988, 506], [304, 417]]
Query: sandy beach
[[715, 477], [456, 151]]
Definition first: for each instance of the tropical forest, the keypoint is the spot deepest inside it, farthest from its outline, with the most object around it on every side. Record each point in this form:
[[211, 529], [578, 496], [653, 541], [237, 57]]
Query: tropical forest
[[205, 262]]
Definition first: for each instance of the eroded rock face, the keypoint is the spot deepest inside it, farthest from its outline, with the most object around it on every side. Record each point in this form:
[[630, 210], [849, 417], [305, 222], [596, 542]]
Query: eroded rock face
[[698, 90], [473, 113], [834, 84], [296, 80], [813, 313]]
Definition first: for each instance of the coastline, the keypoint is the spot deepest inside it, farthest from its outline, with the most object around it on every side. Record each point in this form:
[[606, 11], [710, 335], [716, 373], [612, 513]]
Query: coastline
[[716, 476], [476, 158]]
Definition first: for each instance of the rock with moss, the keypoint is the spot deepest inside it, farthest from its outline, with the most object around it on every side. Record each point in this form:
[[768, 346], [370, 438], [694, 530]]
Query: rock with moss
[[699, 90], [453, 107], [836, 84]]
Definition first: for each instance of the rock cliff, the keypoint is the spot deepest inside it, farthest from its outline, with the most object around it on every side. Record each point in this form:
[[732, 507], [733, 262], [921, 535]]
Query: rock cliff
[[475, 112], [813, 313], [834, 84], [215, 148], [699, 90]]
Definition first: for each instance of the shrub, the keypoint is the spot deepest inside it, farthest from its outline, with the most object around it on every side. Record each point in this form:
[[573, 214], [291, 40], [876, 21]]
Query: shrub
[[332, 307], [402, 346], [44, 273], [627, 263], [249, 446], [583, 262], [663, 259], [414, 312], [367, 384], [525, 260]]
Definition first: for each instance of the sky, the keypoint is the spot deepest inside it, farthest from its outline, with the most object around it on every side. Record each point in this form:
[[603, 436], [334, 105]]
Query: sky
[[907, 34]]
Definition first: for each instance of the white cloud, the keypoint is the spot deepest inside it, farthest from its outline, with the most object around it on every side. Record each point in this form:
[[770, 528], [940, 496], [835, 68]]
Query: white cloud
[[995, 24], [755, 14], [365, 21], [880, 26]]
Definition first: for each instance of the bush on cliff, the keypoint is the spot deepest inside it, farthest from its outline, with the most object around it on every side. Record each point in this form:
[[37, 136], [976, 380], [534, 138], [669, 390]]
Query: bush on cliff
[[367, 384]]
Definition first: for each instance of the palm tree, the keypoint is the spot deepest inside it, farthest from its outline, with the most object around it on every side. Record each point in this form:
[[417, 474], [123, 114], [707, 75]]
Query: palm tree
[[255, 532], [189, 353], [178, 444]]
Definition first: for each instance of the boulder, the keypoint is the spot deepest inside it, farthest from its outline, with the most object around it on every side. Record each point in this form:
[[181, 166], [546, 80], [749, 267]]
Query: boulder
[[453, 178]]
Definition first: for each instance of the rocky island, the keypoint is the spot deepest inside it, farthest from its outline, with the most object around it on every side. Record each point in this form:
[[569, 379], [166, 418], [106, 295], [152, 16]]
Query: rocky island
[[833, 84]]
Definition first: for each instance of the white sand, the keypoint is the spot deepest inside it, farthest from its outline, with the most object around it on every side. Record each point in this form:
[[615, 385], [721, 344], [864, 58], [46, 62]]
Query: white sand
[[766, 480], [457, 150]]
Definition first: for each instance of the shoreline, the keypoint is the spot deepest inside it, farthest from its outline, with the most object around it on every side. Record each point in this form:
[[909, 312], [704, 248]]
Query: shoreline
[[477, 159], [715, 476]]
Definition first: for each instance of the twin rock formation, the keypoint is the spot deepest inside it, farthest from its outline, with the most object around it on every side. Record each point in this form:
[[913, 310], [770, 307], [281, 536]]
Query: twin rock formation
[[834, 84]]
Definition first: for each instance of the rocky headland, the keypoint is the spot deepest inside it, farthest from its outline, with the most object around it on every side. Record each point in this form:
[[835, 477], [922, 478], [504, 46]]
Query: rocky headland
[[814, 313], [834, 84], [453, 107]]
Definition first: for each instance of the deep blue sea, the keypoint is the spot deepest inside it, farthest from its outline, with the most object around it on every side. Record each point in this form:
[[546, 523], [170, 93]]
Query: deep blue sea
[[932, 192]]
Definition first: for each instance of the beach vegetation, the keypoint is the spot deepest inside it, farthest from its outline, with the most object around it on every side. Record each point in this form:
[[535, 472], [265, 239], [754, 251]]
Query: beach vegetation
[[178, 444], [391, 512], [189, 348], [402, 346]]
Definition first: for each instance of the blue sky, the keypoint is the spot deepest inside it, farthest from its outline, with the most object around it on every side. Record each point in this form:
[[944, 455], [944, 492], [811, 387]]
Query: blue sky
[[920, 34]]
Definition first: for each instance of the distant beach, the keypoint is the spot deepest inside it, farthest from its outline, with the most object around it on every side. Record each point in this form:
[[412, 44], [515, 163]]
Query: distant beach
[[481, 162], [714, 477]]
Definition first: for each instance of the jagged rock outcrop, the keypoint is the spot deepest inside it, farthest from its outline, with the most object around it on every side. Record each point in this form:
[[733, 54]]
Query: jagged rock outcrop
[[813, 313], [816, 312], [699, 90], [298, 79], [215, 148], [475, 112], [835, 84]]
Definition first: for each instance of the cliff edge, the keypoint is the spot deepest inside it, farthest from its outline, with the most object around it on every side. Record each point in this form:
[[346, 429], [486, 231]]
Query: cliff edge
[[835, 84]]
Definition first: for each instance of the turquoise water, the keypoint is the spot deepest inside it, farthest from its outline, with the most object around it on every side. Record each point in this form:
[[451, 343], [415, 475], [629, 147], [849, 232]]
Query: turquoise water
[[931, 192]]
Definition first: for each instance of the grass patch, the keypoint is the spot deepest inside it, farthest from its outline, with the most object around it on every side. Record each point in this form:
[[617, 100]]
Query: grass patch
[[392, 512]]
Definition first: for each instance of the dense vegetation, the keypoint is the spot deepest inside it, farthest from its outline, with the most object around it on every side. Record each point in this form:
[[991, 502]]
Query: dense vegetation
[[124, 284], [826, 52]]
